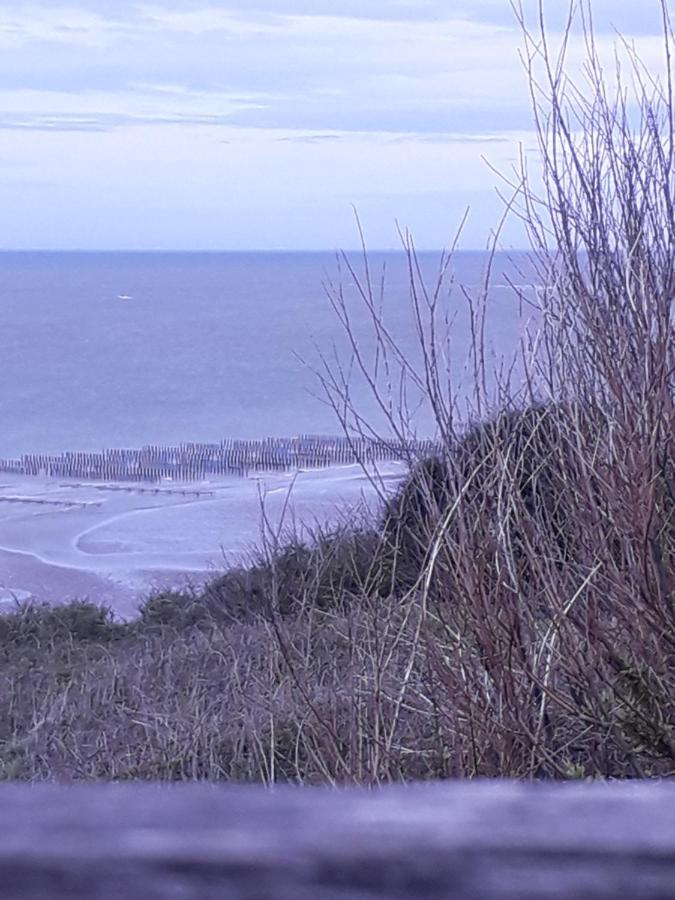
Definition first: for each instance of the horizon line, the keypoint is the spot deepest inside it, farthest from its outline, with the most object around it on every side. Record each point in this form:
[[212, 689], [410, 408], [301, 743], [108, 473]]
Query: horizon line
[[252, 250]]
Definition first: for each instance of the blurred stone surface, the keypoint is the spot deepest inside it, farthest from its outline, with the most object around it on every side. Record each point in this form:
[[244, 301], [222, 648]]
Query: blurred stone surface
[[463, 840]]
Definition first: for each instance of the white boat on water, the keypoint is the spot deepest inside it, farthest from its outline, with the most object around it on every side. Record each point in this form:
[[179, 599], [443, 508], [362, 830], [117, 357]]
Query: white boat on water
[[124, 297]]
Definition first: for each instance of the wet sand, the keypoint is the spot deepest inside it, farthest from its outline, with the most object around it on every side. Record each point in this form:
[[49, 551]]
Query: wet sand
[[115, 543]]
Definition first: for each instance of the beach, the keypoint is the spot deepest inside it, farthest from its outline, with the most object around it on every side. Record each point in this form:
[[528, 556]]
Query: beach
[[116, 542]]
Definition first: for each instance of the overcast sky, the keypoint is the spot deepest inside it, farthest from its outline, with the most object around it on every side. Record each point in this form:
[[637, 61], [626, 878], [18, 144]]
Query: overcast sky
[[258, 123]]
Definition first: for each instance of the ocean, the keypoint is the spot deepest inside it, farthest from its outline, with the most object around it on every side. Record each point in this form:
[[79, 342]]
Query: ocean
[[101, 350]]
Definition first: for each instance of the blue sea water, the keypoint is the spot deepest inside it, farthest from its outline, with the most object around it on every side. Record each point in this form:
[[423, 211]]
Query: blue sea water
[[123, 349]]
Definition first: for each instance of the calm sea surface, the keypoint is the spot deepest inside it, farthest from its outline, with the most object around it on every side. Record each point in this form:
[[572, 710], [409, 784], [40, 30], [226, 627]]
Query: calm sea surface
[[207, 347]]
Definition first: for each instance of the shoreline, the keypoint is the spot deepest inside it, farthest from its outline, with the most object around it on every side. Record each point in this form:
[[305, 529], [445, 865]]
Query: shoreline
[[115, 543]]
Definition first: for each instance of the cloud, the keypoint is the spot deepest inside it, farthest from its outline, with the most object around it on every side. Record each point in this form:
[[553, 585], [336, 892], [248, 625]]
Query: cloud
[[165, 112], [311, 138], [299, 70], [71, 25], [100, 123], [142, 105]]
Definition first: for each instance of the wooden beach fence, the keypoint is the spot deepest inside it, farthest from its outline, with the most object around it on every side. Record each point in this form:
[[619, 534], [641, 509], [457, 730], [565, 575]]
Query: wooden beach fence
[[188, 462]]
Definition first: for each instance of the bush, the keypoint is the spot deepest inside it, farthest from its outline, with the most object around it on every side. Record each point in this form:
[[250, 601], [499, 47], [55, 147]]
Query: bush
[[77, 621], [521, 458]]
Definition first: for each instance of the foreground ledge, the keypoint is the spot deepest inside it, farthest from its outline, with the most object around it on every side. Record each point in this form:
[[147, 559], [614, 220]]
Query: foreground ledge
[[482, 840]]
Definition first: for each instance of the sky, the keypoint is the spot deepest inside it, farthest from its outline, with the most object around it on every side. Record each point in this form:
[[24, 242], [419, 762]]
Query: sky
[[262, 124]]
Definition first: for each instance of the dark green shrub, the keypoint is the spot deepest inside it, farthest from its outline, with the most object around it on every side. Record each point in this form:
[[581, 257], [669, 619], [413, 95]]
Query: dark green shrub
[[173, 609], [322, 575], [514, 466], [79, 621]]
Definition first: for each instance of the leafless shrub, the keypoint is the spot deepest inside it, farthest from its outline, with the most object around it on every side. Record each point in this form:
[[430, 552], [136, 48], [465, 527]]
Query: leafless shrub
[[533, 562]]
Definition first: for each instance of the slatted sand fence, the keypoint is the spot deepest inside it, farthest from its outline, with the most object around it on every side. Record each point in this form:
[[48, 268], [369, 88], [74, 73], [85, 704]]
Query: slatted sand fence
[[188, 462]]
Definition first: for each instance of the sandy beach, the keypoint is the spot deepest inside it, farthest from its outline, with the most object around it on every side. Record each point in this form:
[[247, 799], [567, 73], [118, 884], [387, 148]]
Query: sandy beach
[[114, 543]]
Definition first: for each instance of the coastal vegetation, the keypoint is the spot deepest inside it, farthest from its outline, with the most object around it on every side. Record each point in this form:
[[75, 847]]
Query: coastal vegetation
[[512, 610]]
